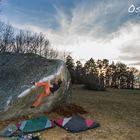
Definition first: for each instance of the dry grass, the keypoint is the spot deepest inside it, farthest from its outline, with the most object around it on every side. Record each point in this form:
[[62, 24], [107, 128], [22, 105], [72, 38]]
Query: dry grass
[[67, 110], [118, 112]]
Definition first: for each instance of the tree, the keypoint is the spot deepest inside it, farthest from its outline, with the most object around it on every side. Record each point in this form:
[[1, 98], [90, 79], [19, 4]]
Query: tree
[[1, 33], [121, 70], [78, 66], [99, 66], [25, 42], [71, 67], [7, 38], [137, 80], [112, 75], [90, 67], [106, 72], [132, 74], [64, 55], [19, 42], [93, 79], [79, 72], [70, 63], [51, 53]]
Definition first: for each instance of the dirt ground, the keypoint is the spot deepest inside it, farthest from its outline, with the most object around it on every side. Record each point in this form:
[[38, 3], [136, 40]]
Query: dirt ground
[[117, 111]]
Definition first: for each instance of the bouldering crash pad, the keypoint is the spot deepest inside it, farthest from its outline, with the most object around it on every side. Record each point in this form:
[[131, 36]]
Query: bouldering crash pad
[[9, 130], [76, 123], [36, 124]]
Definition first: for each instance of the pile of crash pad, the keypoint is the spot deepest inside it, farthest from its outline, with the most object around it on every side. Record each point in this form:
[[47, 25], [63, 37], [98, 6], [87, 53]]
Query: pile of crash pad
[[26, 130]]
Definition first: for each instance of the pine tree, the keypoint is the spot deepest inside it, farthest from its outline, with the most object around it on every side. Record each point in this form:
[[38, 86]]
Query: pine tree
[[70, 63]]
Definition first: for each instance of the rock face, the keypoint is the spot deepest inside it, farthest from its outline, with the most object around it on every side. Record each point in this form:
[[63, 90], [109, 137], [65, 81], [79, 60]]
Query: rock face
[[17, 94]]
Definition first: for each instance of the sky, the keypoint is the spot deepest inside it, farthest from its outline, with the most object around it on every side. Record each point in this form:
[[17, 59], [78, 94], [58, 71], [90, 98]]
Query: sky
[[86, 28]]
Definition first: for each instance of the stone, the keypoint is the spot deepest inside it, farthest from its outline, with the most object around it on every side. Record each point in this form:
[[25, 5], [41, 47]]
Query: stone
[[17, 93]]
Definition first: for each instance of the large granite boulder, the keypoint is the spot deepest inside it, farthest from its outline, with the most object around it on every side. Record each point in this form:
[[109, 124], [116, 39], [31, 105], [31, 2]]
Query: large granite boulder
[[17, 94]]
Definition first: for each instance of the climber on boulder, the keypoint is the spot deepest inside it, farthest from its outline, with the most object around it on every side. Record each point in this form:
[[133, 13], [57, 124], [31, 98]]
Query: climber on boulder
[[48, 89]]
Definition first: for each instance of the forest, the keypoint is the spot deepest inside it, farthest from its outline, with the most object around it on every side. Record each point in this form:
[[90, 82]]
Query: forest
[[24, 41], [101, 74]]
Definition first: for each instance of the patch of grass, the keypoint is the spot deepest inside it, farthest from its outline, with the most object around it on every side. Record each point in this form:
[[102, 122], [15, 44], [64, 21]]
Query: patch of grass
[[117, 111]]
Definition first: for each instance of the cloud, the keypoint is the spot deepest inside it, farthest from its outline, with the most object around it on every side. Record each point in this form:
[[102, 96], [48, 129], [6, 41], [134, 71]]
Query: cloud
[[135, 64], [98, 29], [98, 21], [131, 46]]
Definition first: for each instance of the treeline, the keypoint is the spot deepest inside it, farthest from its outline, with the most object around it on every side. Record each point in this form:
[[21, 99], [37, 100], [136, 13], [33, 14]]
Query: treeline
[[101, 74], [24, 41]]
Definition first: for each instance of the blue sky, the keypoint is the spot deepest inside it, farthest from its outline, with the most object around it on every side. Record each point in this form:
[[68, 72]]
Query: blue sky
[[87, 28]]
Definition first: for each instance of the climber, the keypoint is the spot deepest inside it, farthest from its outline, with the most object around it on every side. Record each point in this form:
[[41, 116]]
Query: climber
[[55, 86], [48, 89]]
